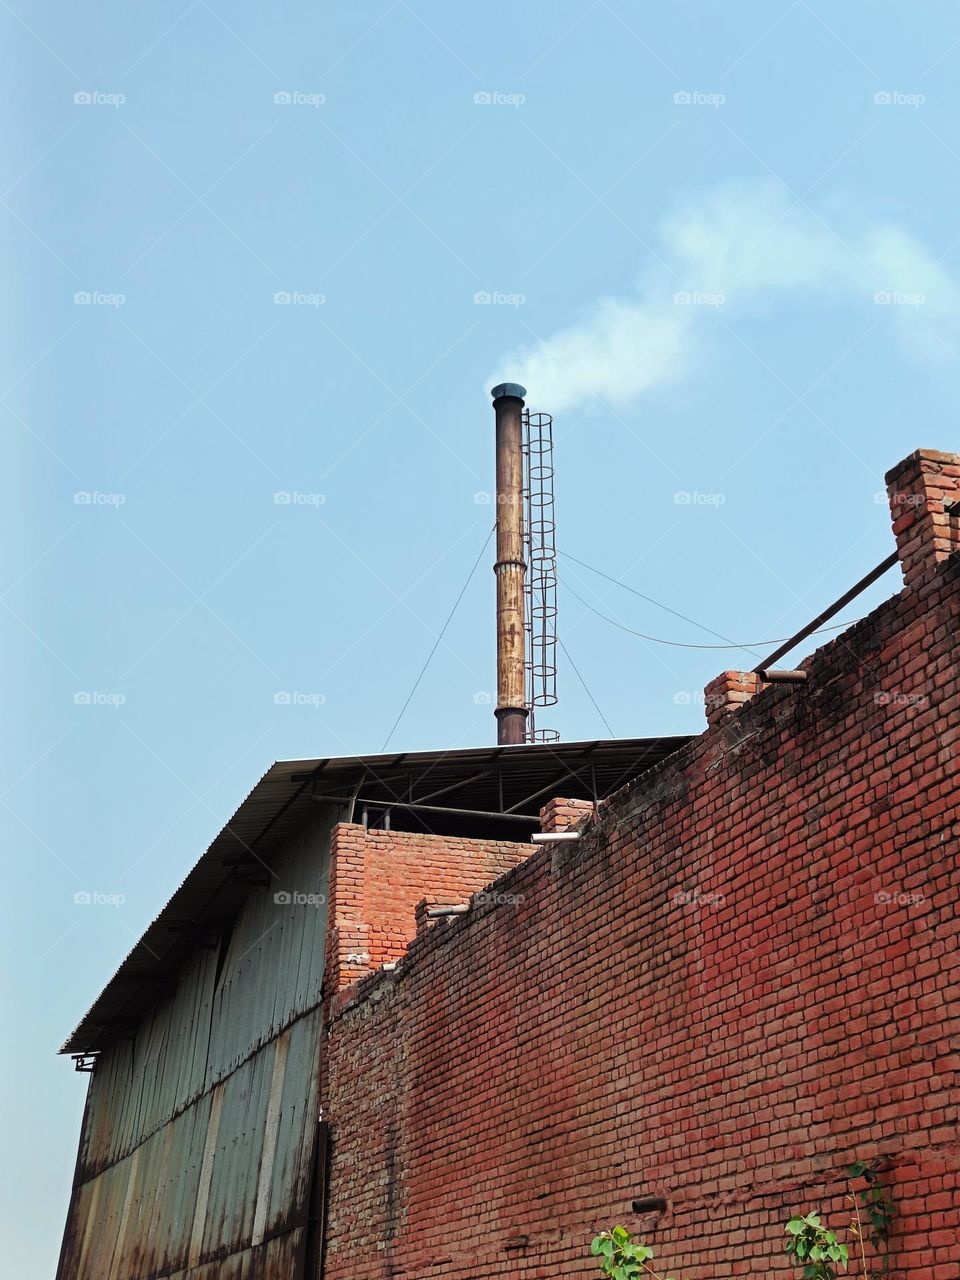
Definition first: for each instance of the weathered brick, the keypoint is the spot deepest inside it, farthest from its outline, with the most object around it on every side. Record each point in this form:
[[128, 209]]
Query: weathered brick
[[741, 976]]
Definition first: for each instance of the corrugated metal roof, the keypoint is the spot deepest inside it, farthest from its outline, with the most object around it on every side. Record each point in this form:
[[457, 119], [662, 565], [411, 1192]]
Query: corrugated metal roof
[[481, 779]]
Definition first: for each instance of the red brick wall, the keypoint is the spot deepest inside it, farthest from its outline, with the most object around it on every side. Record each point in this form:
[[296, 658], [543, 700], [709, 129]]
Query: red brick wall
[[378, 877], [560, 814], [742, 975]]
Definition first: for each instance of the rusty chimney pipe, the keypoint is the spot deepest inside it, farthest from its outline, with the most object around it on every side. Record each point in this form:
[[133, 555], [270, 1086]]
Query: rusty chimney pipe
[[510, 568]]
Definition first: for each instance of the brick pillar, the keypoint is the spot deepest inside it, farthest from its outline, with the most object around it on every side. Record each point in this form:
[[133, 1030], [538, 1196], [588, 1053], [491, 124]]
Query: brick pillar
[[727, 693], [921, 489], [348, 935], [561, 815]]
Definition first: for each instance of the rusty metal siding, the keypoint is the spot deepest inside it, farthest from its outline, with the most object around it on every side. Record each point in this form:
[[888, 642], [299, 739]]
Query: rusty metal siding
[[198, 1139], [229, 1173]]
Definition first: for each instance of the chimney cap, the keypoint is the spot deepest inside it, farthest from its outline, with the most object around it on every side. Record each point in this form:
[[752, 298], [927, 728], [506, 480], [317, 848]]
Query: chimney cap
[[505, 390]]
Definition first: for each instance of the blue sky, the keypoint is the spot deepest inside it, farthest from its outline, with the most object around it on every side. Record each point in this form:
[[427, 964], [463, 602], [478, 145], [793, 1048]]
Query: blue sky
[[720, 243]]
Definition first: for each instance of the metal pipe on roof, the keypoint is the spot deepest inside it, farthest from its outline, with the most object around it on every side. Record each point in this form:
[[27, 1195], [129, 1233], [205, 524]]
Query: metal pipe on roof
[[866, 581], [510, 567]]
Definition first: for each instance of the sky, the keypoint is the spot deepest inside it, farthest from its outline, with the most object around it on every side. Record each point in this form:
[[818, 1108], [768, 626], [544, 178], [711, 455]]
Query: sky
[[264, 264]]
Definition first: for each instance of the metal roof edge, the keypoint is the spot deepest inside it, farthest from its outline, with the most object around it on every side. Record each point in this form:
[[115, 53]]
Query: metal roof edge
[[291, 776]]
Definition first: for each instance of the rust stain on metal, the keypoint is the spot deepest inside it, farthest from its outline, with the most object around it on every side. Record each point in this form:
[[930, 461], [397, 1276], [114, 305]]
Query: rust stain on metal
[[510, 568], [206, 1175], [270, 1138], [199, 1131]]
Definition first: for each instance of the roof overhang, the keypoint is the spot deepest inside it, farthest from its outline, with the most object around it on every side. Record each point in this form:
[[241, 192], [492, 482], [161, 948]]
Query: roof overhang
[[503, 782]]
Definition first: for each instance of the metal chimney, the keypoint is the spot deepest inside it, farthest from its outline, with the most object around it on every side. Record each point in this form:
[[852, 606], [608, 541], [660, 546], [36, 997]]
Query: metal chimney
[[510, 566]]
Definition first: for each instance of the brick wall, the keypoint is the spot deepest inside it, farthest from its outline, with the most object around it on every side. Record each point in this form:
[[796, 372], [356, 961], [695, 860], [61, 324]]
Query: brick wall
[[377, 878], [740, 977], [560, 814]]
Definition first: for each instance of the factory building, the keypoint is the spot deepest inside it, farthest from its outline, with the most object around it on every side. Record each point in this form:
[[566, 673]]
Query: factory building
[[449, 1013]]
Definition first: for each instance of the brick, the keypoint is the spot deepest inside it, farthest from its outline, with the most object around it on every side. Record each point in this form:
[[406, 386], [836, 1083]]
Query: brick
[[741, 977]]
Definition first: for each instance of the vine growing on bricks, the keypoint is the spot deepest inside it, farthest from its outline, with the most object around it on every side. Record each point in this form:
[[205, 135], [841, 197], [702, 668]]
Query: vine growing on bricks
[[810, 1242], [877, 1204]]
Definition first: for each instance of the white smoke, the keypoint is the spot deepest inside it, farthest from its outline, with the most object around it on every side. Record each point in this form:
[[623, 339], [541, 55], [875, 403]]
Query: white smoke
[[722, 259]]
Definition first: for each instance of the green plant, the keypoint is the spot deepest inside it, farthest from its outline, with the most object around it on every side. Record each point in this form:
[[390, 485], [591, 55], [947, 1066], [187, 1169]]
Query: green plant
[[810, 1244], [621, 1257], [877, 1204], [815, 1248]]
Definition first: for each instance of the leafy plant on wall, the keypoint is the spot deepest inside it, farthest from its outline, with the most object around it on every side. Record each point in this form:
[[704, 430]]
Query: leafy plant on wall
[[811, 1245], [815, 1248], [622, 1257]]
